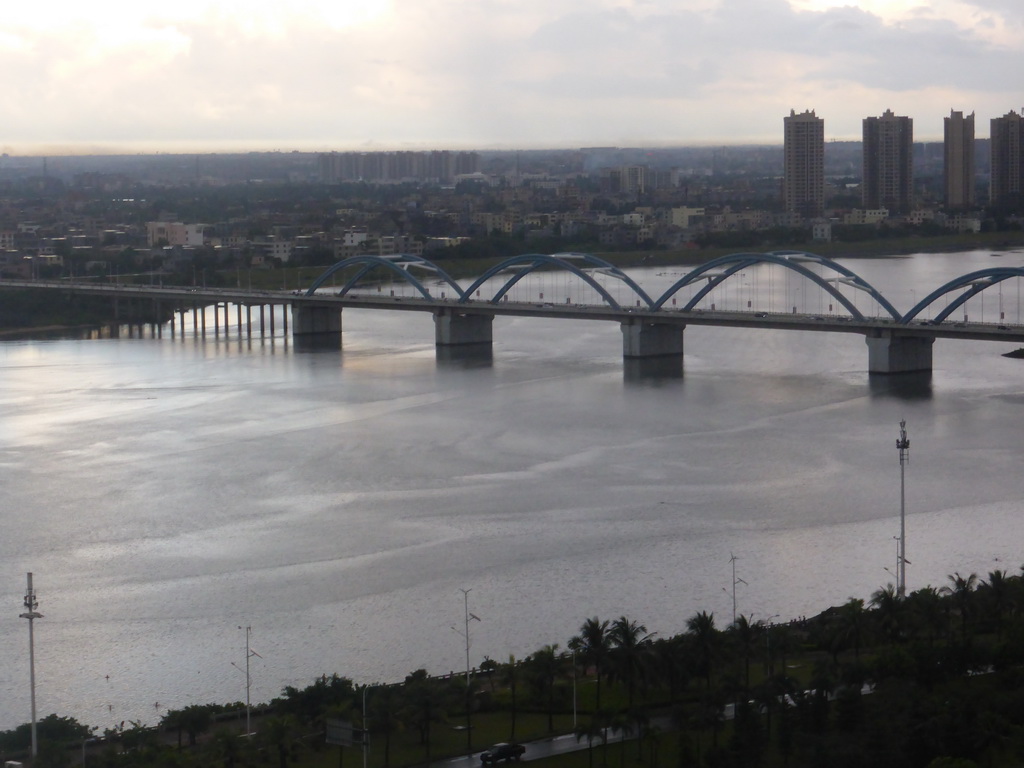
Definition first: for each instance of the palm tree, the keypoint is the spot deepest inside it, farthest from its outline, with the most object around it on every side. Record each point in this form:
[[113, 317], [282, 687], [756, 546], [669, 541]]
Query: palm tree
[[746, 635], [622, 723], [229, 746], [543, 668], [631, 647], [927, 613], [998, 596], [669, 662], [510, 677], [277, 732], [706, 642], [889, 609], [851, 624], [961, 591], [594, 727], [593, 644]]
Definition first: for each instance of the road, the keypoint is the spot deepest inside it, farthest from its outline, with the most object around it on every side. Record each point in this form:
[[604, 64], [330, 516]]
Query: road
[[556, 745]]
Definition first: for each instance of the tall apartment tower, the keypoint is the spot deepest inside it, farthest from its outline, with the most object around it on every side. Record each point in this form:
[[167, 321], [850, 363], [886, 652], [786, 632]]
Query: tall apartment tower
[[803, 181], [888, 163], [1007, 136], [958, 165]]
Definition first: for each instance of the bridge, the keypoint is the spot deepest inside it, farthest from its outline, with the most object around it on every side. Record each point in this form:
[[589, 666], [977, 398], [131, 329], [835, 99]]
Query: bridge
[[590, 288]]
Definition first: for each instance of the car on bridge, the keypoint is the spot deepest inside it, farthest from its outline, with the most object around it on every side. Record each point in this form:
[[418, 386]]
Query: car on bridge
[[502, 751]]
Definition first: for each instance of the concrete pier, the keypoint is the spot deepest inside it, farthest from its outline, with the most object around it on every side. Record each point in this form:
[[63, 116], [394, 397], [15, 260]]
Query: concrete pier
[[642, 338], [889, 352], [316, 326], [452, 328]]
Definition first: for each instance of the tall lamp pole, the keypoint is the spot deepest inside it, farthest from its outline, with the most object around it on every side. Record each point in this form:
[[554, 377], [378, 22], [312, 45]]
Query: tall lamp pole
[[32, 614], [465, 633], [735, 581], [903, 445], [249, 653]]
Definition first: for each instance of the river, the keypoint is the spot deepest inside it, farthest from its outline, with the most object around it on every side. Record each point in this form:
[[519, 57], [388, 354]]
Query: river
[[167, 493]]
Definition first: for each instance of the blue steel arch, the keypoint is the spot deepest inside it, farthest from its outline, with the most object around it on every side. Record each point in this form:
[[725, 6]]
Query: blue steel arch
[[977, 281], [738, 261], [399, 264], [533, 261]]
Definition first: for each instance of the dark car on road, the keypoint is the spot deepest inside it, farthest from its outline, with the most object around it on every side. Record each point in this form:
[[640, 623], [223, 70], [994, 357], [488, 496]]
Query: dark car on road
[[502, 752]]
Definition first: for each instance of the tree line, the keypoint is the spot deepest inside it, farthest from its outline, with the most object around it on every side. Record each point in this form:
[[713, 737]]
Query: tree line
[[933, 679]]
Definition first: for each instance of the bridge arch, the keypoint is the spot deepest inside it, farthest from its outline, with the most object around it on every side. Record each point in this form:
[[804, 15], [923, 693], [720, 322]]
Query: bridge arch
[[735, 262], [529, 262], [399, 264], [976, 282]]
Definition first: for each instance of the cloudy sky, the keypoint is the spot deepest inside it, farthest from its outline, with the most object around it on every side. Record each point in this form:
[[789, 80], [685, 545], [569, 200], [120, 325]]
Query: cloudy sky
[[218, 75]]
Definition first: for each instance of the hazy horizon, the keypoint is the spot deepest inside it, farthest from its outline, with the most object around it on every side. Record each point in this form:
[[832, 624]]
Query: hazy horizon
[[170, 149]]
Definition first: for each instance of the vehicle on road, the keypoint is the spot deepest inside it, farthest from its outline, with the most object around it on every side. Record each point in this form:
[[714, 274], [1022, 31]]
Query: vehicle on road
[[502, 751]]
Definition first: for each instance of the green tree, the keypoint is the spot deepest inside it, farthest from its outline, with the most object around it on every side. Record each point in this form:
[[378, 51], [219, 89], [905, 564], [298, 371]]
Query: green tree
[[385, 703], [594, 727], [425, 704], [194, 719], [961, 591], [279, 734], [510, 678], [228, 745], [706, 643], [927, 614], [851, 624], [745, 637], [543, 670], [593, 644], [996, 595], [629, 654], [889, 611]]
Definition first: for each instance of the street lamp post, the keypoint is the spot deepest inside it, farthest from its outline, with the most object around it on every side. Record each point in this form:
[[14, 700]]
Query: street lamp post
[[735, 581], [249, 653], [32, 614], [574, 689], [248, 682], [465, 633], [903, 445]]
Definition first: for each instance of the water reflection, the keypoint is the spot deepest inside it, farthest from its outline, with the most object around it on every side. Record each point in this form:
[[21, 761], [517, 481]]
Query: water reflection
[[901, 386], [648, 370], [465, 356], [317, 342]]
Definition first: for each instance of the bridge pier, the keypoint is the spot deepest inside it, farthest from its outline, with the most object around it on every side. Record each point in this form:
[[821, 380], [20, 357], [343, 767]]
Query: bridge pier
[[642, 338], [314, 326], [455, 328], [890, 352]]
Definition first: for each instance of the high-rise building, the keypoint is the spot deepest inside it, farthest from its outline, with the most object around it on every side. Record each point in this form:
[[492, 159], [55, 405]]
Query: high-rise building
[[1007, 135], [888, 163], [803, 181], [958, 160]]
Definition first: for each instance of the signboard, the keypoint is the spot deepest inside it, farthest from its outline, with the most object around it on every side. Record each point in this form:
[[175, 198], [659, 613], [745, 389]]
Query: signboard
[[341, 733]]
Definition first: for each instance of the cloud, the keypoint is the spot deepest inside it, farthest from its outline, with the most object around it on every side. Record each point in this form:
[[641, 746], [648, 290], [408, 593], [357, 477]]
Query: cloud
[[484, 72]]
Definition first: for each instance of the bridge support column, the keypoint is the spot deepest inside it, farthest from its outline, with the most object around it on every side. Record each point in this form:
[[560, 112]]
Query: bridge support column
[[314, 327], [642, 338], [454, 328], [890, 353]]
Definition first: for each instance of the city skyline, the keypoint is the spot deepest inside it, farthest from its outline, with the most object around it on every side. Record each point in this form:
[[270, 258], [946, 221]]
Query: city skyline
[[223, 75]]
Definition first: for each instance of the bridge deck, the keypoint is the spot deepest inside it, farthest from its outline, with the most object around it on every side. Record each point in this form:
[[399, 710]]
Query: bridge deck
[[791, 322]]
